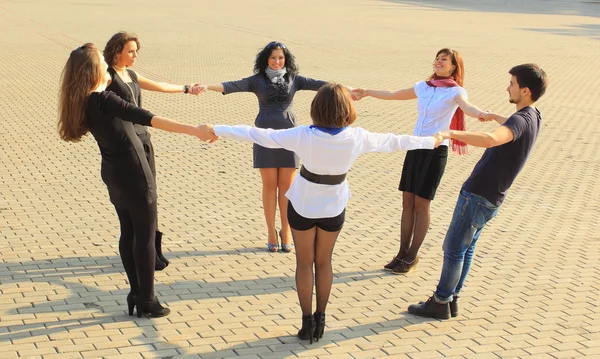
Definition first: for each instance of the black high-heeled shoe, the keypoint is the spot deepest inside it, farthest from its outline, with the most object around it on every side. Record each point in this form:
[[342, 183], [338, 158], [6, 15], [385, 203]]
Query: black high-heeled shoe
[[151, 309], [319, 325], [308, 328], [131, 298]]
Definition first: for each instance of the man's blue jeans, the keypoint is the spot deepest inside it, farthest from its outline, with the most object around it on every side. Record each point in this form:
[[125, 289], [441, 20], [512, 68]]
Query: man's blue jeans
[[471, 214]]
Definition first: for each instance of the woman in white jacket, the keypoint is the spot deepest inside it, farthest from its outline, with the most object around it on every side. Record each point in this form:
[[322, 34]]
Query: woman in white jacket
[[318, 197]]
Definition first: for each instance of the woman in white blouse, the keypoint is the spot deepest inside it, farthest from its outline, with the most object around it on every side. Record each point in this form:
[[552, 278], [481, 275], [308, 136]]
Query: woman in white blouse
[[441, 103], [318, 197]]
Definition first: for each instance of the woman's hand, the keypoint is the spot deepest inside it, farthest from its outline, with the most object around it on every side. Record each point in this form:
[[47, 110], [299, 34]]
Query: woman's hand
[[358, 94], [206, 133], [486, 116], [438, 138], [198, 89], [195, 89]]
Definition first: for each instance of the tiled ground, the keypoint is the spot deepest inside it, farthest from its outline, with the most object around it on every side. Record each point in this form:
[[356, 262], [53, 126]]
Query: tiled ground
[[534, 285]]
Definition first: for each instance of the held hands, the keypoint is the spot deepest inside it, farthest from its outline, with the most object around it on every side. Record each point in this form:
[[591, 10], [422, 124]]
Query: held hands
[[198, 89], [486, 116], [438, 138], [195, 89], [206, 133], [358, 94]]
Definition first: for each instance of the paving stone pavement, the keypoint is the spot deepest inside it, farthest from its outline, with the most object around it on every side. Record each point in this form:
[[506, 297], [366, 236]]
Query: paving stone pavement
[[535, 281]]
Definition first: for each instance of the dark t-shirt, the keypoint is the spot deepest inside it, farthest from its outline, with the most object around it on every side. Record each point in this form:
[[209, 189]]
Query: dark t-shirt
[[499, 166]]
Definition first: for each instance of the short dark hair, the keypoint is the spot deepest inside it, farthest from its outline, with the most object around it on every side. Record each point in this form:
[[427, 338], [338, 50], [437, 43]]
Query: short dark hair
[[532, 77], [116, 44], [262, 58], [332, 107]]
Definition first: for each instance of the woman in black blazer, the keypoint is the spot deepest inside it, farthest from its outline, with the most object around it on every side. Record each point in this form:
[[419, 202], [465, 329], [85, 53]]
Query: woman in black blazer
[[120, 54], [85, 106]]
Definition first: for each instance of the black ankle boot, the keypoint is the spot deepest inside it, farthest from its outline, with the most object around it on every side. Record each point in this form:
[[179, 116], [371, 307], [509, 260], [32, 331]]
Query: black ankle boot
[[454, 307], [431, 309], [131, 298], [319, 325], [161, 261], [308, 328], [151, 309]]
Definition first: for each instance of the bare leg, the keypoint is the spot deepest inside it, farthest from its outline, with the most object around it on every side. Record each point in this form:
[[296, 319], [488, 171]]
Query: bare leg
[[269, 199], [422, 219], [323, 268], [284, 181], [304, 241]]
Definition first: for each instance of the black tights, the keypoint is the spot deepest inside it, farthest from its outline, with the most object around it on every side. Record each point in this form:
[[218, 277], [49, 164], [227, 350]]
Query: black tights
[[414, 225], [136, 246], [314, 246]]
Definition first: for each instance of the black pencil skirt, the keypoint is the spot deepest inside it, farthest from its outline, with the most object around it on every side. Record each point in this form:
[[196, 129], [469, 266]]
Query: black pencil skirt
[[423, 171]]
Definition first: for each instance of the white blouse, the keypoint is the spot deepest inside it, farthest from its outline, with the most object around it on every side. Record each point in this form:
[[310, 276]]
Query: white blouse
[[323, 154], [436, 106]]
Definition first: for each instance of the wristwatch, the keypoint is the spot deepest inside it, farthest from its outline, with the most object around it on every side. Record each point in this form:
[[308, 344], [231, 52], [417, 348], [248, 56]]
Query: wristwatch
[[186, 88]]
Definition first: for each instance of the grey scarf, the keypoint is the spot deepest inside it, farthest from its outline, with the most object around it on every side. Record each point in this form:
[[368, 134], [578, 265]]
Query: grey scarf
[[275, 75]]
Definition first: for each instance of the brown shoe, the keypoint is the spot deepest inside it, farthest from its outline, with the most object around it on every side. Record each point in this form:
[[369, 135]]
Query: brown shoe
[[405, 267], [391, 265]]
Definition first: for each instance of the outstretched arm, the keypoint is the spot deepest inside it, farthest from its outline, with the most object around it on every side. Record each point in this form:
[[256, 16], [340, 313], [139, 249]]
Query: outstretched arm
[[498, 137], [405, 94], [202, 132], [266, 137], [388, 142], [150, 85], [203, 88], [468, 108]]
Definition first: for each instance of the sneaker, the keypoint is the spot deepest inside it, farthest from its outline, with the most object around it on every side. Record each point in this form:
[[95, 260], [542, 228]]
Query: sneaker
[[405, 267], [430, 309], [391, 265]]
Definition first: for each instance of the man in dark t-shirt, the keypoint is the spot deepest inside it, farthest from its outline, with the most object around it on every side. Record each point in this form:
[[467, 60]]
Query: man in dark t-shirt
[[508, 148]]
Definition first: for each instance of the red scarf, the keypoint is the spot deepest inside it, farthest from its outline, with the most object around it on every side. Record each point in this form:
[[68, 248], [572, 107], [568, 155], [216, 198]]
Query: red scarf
[[458, 120]]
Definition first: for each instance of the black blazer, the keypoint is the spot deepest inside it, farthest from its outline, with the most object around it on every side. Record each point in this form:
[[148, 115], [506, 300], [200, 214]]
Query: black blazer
[[125, 169]]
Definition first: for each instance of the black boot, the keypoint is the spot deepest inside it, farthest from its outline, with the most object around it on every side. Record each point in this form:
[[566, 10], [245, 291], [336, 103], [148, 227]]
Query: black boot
[[454, 307], [319, 325], [151, 309], [161, 261], [308, 328], [430, 309]]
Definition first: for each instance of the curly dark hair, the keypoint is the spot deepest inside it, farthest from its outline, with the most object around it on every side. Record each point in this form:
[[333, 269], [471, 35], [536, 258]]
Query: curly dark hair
[[116, 44], [262, 59]]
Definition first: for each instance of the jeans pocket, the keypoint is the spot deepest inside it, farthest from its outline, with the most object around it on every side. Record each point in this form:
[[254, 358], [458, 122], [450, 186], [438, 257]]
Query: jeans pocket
[[483, 214]]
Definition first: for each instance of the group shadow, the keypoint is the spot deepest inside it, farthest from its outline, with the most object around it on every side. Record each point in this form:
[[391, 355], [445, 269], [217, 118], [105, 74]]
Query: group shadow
[[86, 306]]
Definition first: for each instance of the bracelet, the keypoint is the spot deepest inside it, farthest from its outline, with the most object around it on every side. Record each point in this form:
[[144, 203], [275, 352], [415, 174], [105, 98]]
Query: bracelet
[[186, 88]]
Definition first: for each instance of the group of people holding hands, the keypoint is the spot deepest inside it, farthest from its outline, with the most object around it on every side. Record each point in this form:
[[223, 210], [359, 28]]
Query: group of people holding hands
[[101, 94]]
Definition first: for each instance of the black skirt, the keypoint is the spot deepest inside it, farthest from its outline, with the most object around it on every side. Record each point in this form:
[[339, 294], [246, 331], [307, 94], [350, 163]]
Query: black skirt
[[423, 171]]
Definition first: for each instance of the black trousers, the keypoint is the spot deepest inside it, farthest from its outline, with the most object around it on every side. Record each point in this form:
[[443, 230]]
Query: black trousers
[[136, 247]]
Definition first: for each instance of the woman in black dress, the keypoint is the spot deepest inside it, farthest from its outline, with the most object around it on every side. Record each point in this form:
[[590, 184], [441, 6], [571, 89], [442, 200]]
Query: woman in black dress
[[120, 53], [275, 82], [85, 106]]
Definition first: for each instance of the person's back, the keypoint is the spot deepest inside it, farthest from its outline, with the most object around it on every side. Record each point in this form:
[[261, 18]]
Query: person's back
[[499, 166]]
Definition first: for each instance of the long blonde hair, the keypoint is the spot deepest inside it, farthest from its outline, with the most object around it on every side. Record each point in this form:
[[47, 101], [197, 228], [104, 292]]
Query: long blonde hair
[[80, 76]]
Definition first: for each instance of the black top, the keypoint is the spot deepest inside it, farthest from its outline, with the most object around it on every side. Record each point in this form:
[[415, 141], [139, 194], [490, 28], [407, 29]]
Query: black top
[[499, 166], [125, 169], [123, 90]]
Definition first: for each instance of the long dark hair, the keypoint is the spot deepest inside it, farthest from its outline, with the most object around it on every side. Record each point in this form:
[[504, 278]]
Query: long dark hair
[[262, 59], [116, 44], [79, 78]]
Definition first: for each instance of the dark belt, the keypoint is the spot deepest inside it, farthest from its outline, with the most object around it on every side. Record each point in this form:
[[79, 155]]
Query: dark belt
[[321, 179]]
